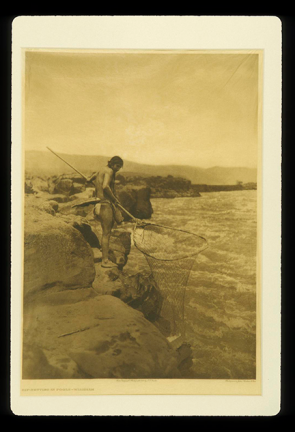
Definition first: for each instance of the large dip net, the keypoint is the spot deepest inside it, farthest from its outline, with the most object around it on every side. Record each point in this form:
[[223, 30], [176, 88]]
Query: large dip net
[[170, 254]]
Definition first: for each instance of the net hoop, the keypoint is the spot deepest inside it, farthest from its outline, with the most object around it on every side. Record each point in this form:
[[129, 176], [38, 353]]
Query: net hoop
[[143, 226]]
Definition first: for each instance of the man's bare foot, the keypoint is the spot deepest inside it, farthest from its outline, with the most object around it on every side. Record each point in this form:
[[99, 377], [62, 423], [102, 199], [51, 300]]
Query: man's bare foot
[[108, 264]]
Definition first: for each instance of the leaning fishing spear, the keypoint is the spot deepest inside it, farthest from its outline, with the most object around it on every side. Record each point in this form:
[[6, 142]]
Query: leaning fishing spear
[[82, 175]]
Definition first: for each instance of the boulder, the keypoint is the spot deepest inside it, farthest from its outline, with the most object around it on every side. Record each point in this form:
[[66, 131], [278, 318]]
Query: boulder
[[107, 282], [59, 198], [185, 359], [127, 199], [97, 255], [143, 209], [36, 184], [29, 187], [136, 200], [137, 289], [34, 206], [68, 208], [63, 186], [54, 205], [140, 292], [83, 335], [54, 253], [77, 188], [39, 364], [72, 200], [120, 245], [67, 184], [82, 225], [74, 177]]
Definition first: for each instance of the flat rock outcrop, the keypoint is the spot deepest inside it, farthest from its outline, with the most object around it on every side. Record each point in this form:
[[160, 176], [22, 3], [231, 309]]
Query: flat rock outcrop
[[54, 252], [79, 334]]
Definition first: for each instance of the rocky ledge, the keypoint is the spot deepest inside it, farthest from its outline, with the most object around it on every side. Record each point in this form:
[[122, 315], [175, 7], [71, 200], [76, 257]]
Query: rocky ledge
[[70, 189], [134, 192], [160, 186], [83, 321]]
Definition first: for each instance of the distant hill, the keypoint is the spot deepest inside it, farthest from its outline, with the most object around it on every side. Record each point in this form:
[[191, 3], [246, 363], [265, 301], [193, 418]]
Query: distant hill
[[44, 163]]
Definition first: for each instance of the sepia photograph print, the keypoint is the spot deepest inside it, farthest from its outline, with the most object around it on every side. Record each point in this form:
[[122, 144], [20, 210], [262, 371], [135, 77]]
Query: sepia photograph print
[[141, 221], [141, 215]]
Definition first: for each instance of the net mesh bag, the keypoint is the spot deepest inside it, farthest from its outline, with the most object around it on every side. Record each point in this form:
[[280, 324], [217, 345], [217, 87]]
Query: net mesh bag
[[170, 254]]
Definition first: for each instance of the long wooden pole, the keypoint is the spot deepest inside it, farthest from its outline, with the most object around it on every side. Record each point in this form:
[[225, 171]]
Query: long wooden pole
[[82, 175]]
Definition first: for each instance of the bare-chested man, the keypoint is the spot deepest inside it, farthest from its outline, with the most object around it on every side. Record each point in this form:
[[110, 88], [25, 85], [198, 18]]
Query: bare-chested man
[[106, 211]]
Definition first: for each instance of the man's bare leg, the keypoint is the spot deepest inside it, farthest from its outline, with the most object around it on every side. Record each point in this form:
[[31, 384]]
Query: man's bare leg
[[107, 222]]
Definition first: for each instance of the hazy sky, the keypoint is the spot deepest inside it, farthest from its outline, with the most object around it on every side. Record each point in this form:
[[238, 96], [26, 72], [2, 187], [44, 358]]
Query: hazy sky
[[155, 108]]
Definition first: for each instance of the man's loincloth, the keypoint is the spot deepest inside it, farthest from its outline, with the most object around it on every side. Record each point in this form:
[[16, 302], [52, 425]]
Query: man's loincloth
[[117, 215]]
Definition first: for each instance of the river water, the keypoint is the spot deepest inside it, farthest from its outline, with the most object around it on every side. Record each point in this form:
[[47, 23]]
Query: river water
[[220, 298]]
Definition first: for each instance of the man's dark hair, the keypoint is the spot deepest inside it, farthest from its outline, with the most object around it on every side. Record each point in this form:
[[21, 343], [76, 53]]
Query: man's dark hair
[[115, 160]]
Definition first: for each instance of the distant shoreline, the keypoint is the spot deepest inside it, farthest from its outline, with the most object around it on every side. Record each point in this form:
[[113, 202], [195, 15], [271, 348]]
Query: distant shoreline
[[194, 193], [158, 186], [47, 164], [174, 187]]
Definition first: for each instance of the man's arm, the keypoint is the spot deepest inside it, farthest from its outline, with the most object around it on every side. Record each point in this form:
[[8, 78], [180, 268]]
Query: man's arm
[[92, 177], [107, 189]]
